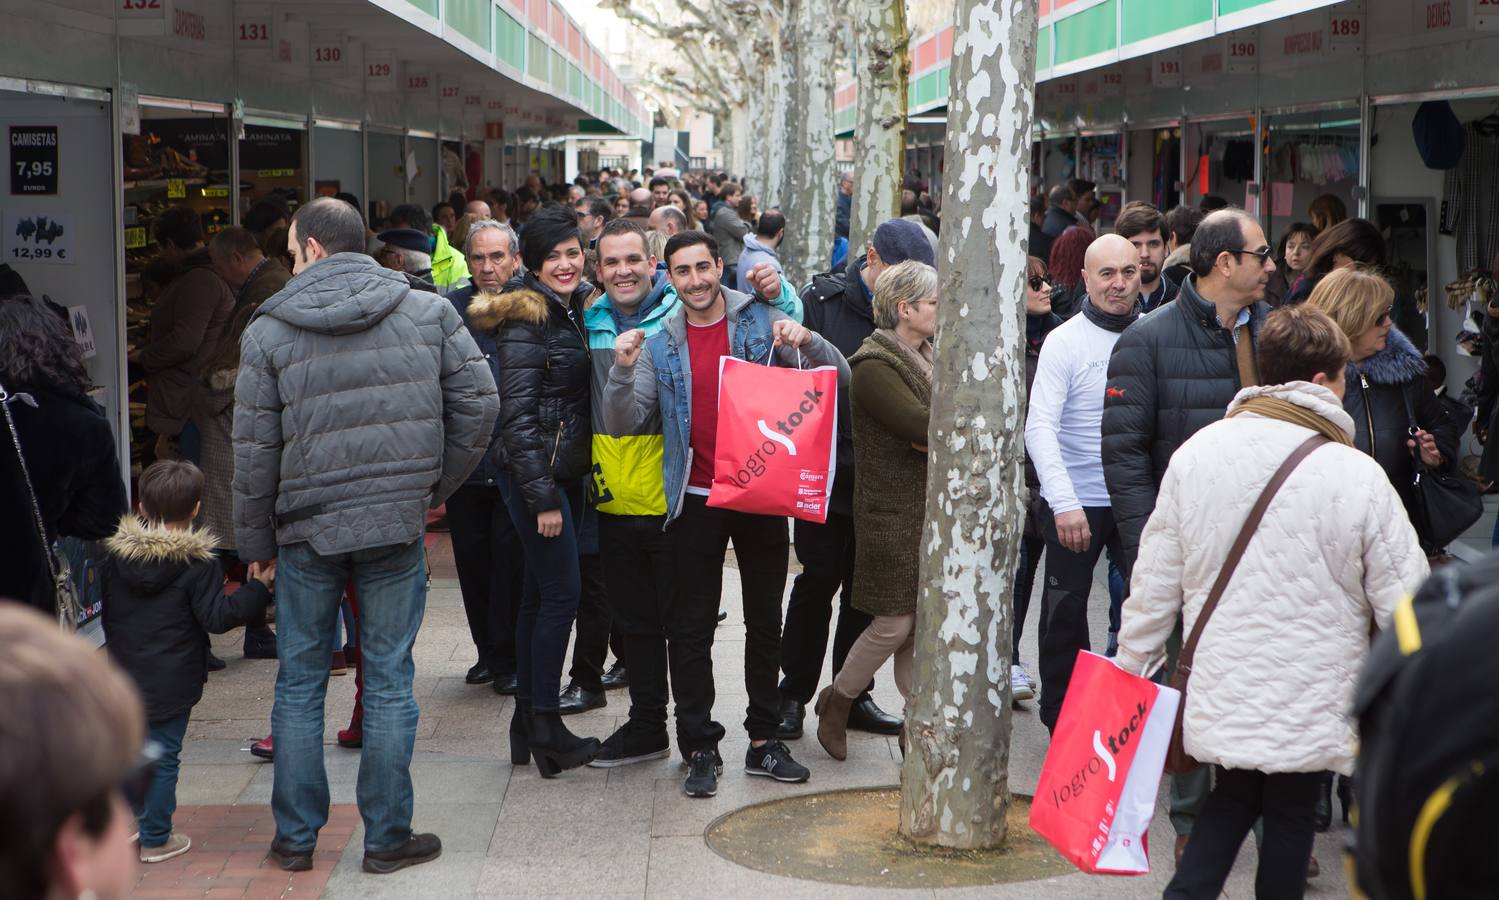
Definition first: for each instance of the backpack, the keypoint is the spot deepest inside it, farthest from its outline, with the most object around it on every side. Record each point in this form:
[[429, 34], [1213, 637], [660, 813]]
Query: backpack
[[1427, 780]]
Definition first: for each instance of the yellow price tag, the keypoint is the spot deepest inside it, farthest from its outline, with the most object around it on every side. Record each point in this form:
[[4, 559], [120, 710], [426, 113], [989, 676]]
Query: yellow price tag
[[176, 189], [135, 237], [215, 192], [275, 173]]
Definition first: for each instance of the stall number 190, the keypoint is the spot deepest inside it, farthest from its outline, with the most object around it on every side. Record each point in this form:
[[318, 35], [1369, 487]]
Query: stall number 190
[[36, 169]]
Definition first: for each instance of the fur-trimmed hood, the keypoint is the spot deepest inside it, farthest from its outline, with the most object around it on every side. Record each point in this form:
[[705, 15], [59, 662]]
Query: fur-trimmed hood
[[150, 556], [1399, 363], [523, 299]]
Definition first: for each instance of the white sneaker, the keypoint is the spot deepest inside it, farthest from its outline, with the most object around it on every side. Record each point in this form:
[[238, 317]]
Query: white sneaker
[[1020, 685]]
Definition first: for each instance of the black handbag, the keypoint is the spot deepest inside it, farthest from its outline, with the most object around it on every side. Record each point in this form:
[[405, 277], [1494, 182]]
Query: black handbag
[[1446, 504], [59, 574]]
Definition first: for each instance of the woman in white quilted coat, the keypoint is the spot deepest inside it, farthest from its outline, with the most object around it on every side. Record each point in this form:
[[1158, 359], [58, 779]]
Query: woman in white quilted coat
[[1274, 671]]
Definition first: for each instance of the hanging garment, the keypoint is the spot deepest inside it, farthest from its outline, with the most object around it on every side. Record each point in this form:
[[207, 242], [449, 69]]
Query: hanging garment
[[1470, 200]]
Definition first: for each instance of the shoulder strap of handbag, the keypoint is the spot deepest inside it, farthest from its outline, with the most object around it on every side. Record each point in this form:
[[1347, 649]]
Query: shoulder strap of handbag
[[1189, 649], [1418, 465], [6, 399]]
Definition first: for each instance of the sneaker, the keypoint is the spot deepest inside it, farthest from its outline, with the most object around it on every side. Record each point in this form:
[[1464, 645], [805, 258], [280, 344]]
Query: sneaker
[[176, 845], [214, 663], [419, 848], [1020, 685], [774, 761], [703, 770], [632, 743]]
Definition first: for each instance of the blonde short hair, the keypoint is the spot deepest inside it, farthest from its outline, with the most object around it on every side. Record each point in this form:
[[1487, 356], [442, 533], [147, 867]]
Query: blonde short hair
[[904, 282], [1355, 298]]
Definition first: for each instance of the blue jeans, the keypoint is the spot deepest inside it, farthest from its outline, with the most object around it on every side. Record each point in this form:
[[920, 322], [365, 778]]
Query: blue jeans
[[549, 602], [1116, 604], [154, 818], [392, 586]]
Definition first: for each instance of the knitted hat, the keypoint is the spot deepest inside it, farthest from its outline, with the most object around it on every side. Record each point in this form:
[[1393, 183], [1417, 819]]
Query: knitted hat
[[897, 240]]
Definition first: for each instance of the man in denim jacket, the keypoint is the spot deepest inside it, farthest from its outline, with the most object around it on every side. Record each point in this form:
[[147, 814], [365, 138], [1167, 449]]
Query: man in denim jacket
[[674, 374]]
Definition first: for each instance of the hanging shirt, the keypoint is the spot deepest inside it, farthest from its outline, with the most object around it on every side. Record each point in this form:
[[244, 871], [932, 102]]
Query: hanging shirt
[[705, 345], [1470, 201]]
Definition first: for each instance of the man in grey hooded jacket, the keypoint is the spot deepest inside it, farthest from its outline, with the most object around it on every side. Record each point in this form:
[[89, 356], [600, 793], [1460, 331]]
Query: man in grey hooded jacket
[[360, 405]]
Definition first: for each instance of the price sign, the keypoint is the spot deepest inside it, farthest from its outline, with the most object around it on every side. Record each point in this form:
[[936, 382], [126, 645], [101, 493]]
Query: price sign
[[275, 173], [135, 237], [1166, 69], [253, 33], [380, 70], [1241, 53], [1345, 28], [176, 189], [38, 237], [33, 159], [1485, 15], [215, 192]]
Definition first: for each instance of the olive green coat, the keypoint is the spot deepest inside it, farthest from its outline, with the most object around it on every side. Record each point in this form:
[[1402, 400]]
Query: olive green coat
[[891, 404]]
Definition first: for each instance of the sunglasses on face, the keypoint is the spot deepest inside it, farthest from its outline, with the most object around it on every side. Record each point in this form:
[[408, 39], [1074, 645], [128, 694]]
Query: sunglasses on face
[[1262, 254], [1385, 317], [1034, 282]]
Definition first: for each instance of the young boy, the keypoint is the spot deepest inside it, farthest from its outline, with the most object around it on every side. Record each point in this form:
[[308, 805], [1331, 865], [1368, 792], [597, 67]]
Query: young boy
[[163, 589]]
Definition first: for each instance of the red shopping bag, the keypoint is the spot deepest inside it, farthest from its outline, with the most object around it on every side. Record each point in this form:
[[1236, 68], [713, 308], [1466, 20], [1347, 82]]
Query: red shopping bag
[[777, 433], [1098, 785]]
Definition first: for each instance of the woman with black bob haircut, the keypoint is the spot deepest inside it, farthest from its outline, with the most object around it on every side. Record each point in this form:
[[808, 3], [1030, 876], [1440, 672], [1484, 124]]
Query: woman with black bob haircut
[[66, 444], [1351, 242], [541, 366]]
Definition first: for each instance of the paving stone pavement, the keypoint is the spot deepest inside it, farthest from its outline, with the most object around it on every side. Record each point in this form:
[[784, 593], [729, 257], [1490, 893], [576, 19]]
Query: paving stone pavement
[[592, 833]]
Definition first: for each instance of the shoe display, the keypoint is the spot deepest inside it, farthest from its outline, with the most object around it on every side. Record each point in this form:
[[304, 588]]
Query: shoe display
[[555, 748], [214, 663], [703, 769], [262, 748], [773, 760], [176, 845], [419, 848], [793, 714], [478, 673], [289, 860], [616, 677], [864, 715], [339, 665], [1020, 685], [632, 743], [505, 685], [832, 722], [575, 699]]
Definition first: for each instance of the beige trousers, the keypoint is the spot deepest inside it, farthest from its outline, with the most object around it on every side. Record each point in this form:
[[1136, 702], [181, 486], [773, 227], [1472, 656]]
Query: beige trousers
[[885, 637]]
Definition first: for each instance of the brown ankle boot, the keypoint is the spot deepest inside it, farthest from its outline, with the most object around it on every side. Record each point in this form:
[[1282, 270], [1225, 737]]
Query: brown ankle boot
[[832, 722]]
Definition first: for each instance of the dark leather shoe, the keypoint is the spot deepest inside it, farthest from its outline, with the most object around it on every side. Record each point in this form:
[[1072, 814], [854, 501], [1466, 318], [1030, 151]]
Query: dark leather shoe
[[214, 663], [260, 643], [479, 673], [575, 699], [616, 677], [419, 848], [865, 716], [505, 684], [289, 860], [264, 748], [792, 714]]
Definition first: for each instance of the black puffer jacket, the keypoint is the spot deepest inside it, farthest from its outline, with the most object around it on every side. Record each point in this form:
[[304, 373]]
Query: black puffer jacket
[[542, 370], [488, 469], [1172, 373], [1376, 394], [837, 307], [162, 590]]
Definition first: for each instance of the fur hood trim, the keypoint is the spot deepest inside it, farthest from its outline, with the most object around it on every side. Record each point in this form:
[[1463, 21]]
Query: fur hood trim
[[1399, 363], [140, 541], [488, 311]]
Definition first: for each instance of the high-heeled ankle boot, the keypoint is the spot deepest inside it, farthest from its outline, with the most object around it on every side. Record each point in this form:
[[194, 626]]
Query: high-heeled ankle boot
[[556, 748], [520, 734]]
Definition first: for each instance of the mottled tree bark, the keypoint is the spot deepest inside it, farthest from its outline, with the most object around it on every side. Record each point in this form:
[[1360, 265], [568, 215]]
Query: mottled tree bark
[[880, 132], [954, 784], [808, 200]]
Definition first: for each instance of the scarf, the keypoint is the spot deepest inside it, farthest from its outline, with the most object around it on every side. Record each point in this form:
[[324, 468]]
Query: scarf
[[921, 360], [1109, 321], [1286, 411]]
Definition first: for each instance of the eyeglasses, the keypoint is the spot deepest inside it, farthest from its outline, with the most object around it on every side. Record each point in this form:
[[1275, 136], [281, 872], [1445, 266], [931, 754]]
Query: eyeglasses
[[1034, 282], [1262, 254], [1385, 317]]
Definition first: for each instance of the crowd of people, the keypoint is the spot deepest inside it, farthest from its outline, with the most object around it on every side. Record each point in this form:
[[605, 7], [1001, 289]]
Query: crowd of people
[[543, 367]]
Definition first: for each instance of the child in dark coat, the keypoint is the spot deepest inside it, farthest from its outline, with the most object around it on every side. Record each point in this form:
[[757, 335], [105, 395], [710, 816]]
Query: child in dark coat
[[163, 589]]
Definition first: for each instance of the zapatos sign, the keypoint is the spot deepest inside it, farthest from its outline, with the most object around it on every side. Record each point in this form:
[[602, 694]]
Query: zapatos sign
[[777, 433], [1097, 791]]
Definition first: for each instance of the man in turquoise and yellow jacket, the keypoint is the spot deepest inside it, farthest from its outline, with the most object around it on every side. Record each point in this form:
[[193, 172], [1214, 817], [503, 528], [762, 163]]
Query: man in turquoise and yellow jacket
[[628, 490]]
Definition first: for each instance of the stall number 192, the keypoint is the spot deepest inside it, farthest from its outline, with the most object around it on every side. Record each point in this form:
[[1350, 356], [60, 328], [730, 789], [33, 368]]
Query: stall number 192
[[35, 169]]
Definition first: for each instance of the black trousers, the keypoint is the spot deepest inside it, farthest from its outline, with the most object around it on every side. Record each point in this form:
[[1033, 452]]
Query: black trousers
[[640, 571], [1064, 604], [1031, 550], [826, 553], [1285, 800], [762, 548], [597, 634], [491, 571]]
